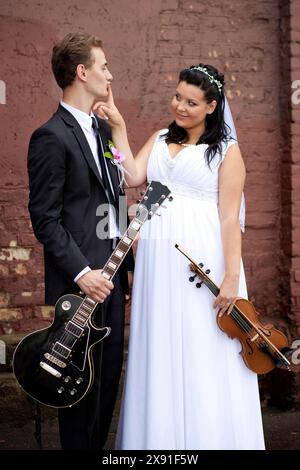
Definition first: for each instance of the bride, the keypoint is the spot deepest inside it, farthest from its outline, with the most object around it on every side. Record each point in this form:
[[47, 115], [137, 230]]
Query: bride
[[186, 385]]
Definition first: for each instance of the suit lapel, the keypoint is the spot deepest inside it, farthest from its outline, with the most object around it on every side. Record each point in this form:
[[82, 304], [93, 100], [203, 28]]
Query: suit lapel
[[80, 137]]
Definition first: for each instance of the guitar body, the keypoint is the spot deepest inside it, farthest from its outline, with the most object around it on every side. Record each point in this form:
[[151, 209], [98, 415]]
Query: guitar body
[[50, 373]]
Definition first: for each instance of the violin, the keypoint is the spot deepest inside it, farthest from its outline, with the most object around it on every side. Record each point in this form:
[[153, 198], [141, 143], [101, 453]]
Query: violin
[[263, 346]]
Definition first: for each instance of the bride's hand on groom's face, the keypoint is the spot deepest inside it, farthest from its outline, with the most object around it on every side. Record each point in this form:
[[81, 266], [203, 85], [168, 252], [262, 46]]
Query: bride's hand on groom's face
[[107, 110]]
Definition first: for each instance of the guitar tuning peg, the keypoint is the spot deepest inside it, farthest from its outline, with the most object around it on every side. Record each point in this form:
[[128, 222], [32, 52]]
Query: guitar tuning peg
[[156, 213], [138, 201], [199, 284], [142, 193], [207, 271], [192, 278], [170, 198]]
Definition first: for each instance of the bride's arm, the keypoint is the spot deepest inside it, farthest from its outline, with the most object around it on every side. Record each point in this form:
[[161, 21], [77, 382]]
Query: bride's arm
[[136, 167], [231, 182]]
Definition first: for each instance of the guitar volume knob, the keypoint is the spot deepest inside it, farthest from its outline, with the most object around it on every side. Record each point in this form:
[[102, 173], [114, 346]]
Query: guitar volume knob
[[60, 390], [79, 380], [66, 305], [73, 391]]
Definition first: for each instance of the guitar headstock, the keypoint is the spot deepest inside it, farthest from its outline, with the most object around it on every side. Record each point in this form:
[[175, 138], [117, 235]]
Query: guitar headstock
[[156, 193]]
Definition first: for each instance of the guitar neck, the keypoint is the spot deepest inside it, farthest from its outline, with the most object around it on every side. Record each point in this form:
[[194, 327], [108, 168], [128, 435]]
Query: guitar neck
[[110, 268], [118, 255]]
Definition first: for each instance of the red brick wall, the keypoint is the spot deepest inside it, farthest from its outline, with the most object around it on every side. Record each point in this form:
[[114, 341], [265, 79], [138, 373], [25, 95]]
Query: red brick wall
[[295, 165], [146, 44]]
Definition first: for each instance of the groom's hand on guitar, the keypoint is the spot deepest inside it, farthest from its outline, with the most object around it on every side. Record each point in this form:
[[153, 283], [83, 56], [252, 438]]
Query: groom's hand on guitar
[[95, 285]]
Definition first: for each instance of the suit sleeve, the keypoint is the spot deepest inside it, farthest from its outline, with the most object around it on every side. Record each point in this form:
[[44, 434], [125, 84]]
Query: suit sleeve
[[47, 173]]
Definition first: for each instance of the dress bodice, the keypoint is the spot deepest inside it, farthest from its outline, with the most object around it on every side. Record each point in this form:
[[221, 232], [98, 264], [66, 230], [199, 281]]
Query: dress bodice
[[188, 168], [188, 173]]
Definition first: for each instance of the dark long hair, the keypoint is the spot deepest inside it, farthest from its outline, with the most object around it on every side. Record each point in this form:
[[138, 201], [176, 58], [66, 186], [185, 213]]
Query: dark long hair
[[216, 130]]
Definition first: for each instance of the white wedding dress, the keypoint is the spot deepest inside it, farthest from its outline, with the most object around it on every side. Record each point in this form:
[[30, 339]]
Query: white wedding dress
[[186, 384]]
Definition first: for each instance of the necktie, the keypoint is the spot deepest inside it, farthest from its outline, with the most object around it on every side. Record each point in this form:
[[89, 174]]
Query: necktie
[[105, 179]]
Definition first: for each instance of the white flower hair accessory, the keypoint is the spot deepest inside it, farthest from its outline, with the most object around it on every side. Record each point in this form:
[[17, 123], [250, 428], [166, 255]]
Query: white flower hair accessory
[[209, 76]]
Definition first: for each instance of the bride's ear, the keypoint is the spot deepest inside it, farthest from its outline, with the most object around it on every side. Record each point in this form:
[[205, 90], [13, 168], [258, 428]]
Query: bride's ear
[[211, 106]]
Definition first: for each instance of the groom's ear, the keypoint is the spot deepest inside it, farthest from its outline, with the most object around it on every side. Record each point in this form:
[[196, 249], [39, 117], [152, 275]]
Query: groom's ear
[[81, 72]]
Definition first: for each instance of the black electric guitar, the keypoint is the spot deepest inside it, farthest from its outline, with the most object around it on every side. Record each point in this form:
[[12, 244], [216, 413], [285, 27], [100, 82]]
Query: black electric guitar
[[55, 365]]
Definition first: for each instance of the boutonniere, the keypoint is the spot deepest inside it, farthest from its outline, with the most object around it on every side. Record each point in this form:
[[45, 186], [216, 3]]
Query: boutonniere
[[116, 157], [114, 153]]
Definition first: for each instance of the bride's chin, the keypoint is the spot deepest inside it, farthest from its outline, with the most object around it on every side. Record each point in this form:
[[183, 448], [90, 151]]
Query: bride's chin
[[180, 123]]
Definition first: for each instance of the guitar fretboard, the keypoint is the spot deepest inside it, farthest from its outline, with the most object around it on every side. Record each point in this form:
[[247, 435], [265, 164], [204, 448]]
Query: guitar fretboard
[[109, 270], [121, 250]]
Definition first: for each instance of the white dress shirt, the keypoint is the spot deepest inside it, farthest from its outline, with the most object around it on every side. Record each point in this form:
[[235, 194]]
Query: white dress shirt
[[85, 122]]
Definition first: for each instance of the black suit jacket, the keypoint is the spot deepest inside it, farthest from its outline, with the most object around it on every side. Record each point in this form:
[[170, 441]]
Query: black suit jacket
[[65, 192]]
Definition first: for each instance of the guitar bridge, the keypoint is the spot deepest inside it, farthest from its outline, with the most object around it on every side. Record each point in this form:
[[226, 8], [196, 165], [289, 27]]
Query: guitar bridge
[[50, 369]]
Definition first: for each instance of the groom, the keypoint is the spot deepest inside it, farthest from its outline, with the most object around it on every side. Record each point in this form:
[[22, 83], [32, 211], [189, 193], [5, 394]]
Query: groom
[[68, 183]]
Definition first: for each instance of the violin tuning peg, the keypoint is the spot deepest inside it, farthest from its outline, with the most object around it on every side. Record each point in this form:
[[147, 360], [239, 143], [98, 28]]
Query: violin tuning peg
[[170, 198], [200, 265], [207, 271], [192, 278], [199, 284]]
